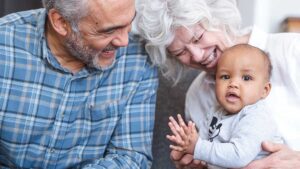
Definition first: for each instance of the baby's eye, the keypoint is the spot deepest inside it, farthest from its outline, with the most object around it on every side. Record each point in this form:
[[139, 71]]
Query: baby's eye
[[247, 78], [224, 77]]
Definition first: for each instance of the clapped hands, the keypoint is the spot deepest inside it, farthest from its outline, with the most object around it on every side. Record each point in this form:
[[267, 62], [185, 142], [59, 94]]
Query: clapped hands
[[184, 137]]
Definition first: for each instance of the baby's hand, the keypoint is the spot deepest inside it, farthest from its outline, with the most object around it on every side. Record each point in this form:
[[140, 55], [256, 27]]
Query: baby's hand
[[184, 136], [177, 130]]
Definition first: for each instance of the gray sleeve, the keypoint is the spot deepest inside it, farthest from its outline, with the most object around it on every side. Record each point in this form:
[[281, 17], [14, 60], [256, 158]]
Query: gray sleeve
[[244, 144]]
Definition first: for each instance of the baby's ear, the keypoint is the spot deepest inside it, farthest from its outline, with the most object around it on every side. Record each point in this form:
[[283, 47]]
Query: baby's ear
[[266, 90]]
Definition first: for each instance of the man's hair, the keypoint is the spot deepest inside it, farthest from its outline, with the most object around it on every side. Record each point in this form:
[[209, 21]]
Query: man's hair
[[157, 21], [71, 10]]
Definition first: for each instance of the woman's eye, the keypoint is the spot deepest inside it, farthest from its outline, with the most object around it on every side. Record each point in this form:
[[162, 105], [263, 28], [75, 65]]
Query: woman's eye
[[247, 78], [197, 38], [180, 54], [224, 77], [196, 41]]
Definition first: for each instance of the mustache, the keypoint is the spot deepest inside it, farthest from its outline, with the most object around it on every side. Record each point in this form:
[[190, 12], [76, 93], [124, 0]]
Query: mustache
[[109, 48]]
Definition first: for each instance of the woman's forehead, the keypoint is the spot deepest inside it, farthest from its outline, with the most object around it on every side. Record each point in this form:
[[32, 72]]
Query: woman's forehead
[[188, 30]]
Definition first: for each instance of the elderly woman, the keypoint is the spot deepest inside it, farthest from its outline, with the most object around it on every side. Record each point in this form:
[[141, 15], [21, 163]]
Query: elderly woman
[[194, 33]]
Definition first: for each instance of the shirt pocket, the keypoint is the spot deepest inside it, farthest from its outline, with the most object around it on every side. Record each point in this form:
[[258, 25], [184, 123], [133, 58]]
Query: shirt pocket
[[103, 119]]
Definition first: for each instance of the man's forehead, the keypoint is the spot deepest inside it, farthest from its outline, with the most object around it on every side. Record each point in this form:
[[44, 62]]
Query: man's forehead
[[110, 12]]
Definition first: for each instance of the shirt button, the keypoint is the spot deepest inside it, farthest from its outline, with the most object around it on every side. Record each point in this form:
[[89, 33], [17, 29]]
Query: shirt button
[[91, 106], [52, 150]]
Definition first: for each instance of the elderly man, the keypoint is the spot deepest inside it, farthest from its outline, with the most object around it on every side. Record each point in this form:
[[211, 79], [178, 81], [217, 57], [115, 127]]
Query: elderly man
[[77, 89]]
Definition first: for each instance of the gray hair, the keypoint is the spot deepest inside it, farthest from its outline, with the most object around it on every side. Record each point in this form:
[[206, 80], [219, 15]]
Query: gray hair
[[157, 21], [71, 10]]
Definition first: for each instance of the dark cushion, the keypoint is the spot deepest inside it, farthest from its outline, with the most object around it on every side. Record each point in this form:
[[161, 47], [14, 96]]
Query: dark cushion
[[170, 102]]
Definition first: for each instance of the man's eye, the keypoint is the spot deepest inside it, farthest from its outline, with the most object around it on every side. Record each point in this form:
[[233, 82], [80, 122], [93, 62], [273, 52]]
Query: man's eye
[[247, 78], [110, 32], [225, 77]]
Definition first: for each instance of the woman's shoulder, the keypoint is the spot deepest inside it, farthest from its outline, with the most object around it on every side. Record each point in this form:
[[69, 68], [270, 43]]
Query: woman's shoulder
[[203, 80], [286, 40], [201, 94]]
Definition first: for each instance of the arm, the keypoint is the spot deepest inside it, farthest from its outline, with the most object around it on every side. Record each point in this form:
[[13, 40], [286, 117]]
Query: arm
[[195, 110], [281, 157], [244, 142], [186, 161], [185, 138], [130, 144]]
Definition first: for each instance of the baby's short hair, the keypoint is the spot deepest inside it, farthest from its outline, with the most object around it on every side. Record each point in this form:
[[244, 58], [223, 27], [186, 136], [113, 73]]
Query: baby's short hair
[[259, 51]]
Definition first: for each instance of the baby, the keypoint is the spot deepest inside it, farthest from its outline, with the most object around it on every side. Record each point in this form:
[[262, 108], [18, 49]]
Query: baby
[[233, 132]]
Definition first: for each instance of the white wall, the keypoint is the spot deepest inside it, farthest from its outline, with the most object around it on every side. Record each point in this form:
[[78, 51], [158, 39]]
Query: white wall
[[268, 14], [246, 8]]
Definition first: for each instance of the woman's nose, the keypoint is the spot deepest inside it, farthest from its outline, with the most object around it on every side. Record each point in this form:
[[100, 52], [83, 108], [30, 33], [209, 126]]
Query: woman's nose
[[197, 54]]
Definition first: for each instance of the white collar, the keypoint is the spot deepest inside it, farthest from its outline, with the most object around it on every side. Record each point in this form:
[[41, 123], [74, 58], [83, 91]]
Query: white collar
[[258, 38]]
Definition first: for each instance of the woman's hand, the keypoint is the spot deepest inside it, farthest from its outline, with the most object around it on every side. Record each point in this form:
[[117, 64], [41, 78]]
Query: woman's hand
[[185, 161], [281, 157]]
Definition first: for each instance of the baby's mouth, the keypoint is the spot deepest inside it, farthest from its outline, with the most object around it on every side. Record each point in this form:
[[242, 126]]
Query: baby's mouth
[[232, 97]]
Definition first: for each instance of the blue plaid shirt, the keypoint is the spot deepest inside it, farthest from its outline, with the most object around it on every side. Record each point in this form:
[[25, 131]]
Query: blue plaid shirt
[[50, 118]]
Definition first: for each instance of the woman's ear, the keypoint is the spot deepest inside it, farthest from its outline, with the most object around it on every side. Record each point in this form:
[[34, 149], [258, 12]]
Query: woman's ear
[[58, 23], [266, 90]]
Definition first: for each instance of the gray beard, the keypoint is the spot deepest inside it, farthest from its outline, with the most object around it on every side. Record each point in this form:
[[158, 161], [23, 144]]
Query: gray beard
[[79, 50]]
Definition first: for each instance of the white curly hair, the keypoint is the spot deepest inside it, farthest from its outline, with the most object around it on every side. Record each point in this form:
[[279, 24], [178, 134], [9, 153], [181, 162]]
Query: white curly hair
[[157, 21]]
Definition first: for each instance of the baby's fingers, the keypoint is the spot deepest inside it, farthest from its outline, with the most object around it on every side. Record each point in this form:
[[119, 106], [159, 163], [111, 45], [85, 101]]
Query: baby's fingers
[[174, 139], [183, 135], [174, 129], [182, 123], [174, 122], [176, 148]]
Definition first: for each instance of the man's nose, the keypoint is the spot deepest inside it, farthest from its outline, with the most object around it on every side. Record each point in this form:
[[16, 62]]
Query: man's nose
[[121, 38]]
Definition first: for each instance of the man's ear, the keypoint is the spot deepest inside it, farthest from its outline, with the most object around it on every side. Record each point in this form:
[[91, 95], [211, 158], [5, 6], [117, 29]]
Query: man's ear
[[58, 23], [266, 90]]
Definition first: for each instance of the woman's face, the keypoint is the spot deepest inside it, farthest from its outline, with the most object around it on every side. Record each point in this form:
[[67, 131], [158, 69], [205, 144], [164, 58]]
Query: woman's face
[[197, 47]]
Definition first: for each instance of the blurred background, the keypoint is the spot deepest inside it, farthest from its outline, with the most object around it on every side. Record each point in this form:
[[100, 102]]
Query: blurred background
[[9, 6], [268, 15], [271, 15]]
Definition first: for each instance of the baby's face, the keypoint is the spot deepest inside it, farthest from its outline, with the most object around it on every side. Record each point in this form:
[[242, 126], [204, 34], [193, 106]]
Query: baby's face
[[241, 79]]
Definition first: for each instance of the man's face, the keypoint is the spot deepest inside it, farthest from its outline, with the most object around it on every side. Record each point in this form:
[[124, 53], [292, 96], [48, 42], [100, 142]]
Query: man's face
[[101, 32]]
